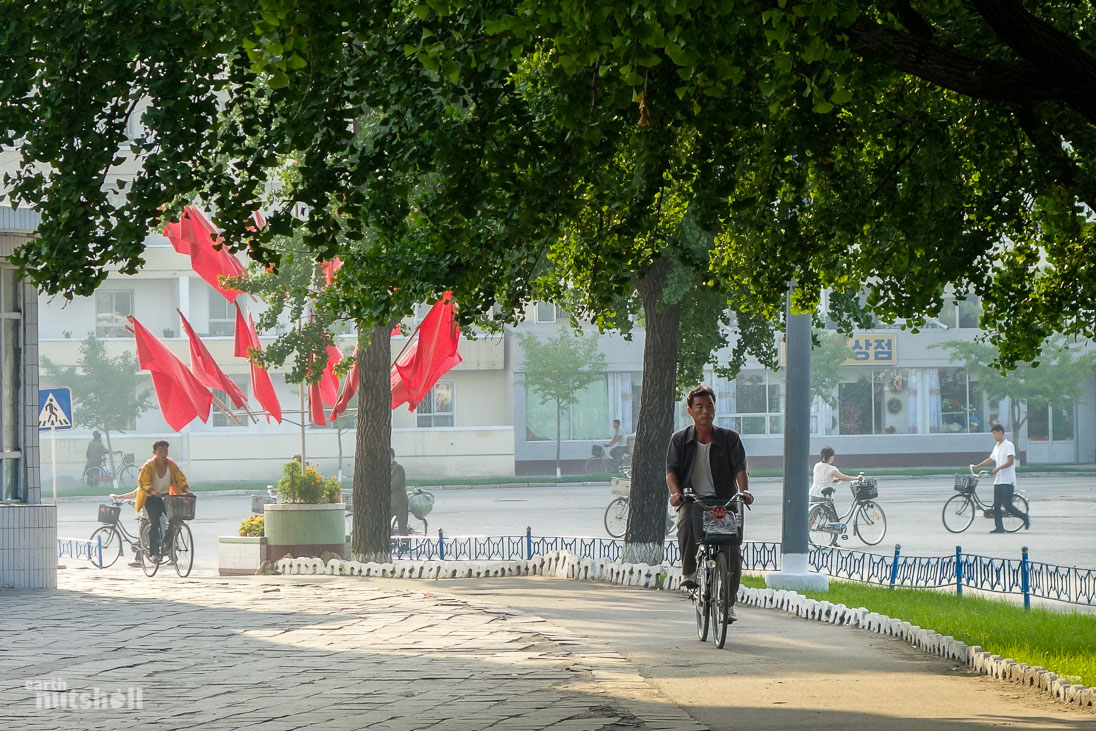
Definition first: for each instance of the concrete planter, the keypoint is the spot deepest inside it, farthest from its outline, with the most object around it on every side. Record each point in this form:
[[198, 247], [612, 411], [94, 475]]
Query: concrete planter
[[304, 529], [240, 555]]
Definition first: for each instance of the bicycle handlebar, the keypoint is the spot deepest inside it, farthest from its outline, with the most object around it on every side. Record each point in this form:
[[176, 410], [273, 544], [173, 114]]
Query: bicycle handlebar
[[689, 496], [980, 473]]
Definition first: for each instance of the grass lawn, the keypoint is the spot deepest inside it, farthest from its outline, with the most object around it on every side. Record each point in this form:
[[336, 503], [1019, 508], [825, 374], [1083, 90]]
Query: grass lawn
[[1063, 642]]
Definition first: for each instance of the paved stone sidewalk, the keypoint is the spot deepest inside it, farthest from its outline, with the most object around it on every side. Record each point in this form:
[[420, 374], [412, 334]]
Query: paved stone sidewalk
[[302, 653]]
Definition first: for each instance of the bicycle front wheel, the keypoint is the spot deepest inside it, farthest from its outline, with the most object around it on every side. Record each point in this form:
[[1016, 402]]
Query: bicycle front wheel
[[1011, 522], [818, 520], [870, 522], [149, 566], [700, 599], [182, 548], [721, 600], [127, 478], [958, 513], [596, 466], [112, 544], [616, 517]]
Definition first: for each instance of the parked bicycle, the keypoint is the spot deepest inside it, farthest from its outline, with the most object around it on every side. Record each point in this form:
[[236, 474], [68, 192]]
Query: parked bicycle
[[127, 471], [176, 535], [419, 504], [720, 529], [602, 462], [960, 510], [868, 519], [616, 518]]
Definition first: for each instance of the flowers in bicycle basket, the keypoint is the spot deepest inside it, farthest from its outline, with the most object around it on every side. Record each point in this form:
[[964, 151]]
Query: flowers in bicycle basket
[[253, 526], [307, 485]]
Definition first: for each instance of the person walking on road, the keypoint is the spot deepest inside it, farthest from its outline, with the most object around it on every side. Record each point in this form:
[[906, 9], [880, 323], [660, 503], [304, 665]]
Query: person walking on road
[[1003, 457], [398, 497], [712, 461]]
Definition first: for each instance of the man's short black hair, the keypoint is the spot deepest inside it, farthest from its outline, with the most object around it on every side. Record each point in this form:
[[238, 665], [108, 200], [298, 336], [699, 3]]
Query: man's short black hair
[[392, 452], [159, 443], [997, 427], [697, 392]]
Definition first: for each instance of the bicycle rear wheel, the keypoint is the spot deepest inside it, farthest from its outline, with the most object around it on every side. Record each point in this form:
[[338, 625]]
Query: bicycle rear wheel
[[958, 513], [616, 517], [182, 548], [149, 566], [112, 544], [721, 600], [1010, 521], [91, 476], [818, 519], [870, 522], [700, 599], [596, 466]]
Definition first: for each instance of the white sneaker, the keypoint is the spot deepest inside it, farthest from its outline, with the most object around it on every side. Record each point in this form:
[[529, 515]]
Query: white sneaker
[[688, 581]]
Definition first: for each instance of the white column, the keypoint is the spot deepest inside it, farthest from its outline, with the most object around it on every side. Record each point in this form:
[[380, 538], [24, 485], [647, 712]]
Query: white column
[[184, 300]]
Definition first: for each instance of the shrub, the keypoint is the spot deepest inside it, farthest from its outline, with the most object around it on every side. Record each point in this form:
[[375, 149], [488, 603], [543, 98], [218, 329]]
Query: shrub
[[253, 526], [306, 485]]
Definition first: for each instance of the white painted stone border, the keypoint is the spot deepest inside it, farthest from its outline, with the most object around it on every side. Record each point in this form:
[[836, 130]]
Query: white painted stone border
[[565, 565]]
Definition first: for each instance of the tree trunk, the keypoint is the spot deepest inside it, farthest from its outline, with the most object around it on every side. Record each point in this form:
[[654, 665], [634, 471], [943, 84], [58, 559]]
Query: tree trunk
[[372, 463], [646, 534]]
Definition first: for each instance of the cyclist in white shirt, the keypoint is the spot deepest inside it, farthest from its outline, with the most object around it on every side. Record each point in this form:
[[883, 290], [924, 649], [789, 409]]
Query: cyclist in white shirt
[[1003, 457], [827, 475]]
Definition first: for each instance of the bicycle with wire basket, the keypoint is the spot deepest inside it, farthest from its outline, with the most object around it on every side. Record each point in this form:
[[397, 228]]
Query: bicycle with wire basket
[[104, 472], [824, 526], [603, 462], [960, 510], [176, 535], [718, 530], [419, 504]]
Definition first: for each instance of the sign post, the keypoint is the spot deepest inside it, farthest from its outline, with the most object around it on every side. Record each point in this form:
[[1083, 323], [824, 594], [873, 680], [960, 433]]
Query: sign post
[[54, 413]]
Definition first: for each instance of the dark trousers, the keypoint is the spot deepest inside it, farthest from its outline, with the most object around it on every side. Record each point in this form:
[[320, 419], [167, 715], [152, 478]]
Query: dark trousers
[[154, 506], [1002, 498], [399, 510], [686, 544]]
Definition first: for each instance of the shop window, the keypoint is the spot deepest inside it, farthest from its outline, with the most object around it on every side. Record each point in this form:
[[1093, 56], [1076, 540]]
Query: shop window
[[956, 404], [436, 409]]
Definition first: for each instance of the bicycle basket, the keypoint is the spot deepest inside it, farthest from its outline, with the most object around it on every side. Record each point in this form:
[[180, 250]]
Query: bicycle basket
[[597, 450], [965, 483], [420, 503], [128, 458], [866, 488], [715, 530], [109, 514], [180, 507]]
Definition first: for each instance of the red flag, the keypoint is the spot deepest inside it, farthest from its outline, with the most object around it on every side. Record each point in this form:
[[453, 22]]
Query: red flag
[[315, 404], [329, 268], [329, 384], [179, 242], [206, 369], [432, 354], [400, 393], [247, 338], [257, 217], [350, 387], [208, 262], [181, 395]]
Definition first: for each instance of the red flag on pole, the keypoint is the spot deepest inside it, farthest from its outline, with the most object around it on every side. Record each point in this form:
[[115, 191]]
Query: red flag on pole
[[181, 395], [206, 369], [329, 384], [329, 268], [350, 387], [261, 386], [208, 262], [433, 353], [315, 404]]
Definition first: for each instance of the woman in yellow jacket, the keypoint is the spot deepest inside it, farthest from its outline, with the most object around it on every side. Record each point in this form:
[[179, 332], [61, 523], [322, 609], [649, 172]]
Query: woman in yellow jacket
[[158, 477]]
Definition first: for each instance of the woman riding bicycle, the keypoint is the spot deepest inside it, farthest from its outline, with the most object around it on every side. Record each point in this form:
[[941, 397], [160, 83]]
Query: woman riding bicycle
[[158, 477], [826, 475]]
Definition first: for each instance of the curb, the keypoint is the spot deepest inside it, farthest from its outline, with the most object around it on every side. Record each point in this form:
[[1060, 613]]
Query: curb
[[565, 565]]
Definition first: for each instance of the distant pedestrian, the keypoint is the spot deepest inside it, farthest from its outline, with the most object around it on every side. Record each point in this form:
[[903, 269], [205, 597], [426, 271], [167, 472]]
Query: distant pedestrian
[[1003, 457], [398, 497]]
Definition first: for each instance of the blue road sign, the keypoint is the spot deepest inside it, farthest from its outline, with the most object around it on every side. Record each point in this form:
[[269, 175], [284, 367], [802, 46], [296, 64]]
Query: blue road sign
[[54, 409]]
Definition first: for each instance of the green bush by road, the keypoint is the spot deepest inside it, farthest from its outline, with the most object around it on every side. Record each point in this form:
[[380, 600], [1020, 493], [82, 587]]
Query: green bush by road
[[1063, 642]]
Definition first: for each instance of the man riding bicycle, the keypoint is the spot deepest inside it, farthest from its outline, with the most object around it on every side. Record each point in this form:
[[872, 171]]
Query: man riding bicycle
[[712, 461], [159, 476]]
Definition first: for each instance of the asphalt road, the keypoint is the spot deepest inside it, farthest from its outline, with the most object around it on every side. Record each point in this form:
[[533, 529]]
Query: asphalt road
[[1062, 506]]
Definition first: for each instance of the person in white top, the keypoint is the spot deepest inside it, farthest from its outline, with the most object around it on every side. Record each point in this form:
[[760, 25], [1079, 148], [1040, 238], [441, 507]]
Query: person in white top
[[1003, 458], [827, 475]]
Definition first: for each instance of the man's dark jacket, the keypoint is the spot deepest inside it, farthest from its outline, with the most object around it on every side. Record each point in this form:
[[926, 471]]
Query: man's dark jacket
[[727, 457]]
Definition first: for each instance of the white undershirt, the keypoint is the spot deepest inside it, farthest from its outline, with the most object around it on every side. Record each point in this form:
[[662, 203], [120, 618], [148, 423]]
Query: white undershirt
[[162, 484], [701, 478]]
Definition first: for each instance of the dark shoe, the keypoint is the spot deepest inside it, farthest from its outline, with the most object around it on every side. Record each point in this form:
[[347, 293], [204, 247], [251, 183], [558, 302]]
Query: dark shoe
[[998, 530], [731, 616], [135, 564], [689, 581], [1027, 522]]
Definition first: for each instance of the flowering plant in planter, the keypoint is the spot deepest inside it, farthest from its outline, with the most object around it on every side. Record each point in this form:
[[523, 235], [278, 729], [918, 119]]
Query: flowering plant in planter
[[307, 485], [253, 526]]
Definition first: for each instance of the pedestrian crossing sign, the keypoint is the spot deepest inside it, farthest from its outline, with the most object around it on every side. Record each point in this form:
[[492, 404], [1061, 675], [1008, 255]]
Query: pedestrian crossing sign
[[54, 409]]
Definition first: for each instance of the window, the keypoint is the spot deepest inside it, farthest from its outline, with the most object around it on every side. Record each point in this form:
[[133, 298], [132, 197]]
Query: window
[[875, 401], [219, 419], [112, 307], [549, 312], [751, 404], [956, 404], [222, 315], [587, 419], [437, 408], [1051, 423], [11, 342]]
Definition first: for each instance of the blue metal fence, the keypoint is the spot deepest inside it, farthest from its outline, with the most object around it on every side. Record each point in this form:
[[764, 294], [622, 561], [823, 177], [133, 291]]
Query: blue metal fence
[[985, 573]]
